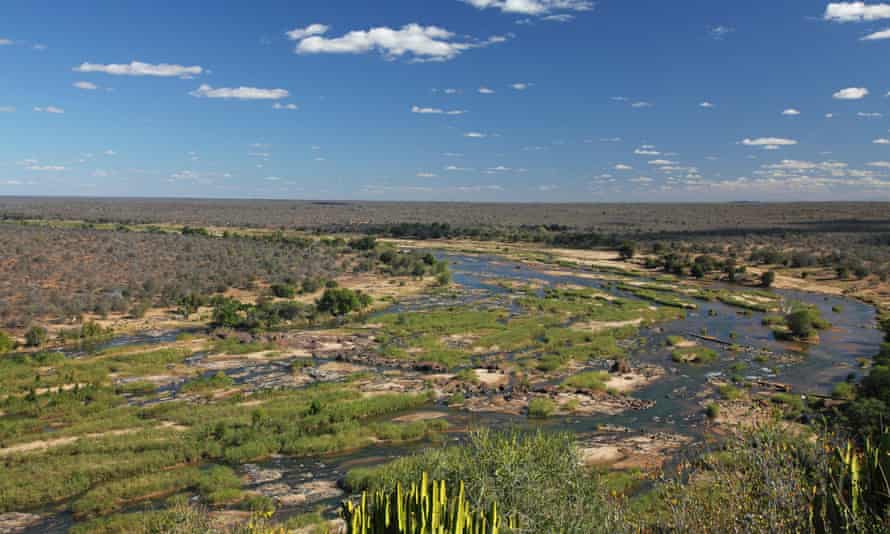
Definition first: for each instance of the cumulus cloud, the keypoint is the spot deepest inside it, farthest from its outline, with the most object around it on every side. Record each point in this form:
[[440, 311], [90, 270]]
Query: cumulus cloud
[[623, 167], [542, 8], [138, 68], [881, 141], [289, 107], [49, 109], [239, 93], [879, 164], [646, 151], [412, 41], [856, 12], [706, 105], [426, 175], [7, 109], [521, 86], [475, 135], [877, 36], [791, 112], [86, 86], [436, 111], [486, 91], [5, 42], [851, 93], [768, 143], [869, 115], [302, 33]]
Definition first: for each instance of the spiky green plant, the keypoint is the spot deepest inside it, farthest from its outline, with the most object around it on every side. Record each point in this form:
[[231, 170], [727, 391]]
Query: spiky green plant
[[425, 508], [858, 493]]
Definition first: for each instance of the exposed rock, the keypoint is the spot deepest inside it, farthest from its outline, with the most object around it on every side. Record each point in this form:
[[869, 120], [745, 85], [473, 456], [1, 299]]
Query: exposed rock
[[14, 522]]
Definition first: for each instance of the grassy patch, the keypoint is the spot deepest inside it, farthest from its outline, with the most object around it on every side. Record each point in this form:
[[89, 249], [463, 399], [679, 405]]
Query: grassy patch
[[693, 355]]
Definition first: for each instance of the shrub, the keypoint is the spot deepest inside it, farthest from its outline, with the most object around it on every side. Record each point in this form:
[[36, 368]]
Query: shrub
[[36, 336], [6, 343], [283, 291], [712, 410], [541, 407], [767, 279]]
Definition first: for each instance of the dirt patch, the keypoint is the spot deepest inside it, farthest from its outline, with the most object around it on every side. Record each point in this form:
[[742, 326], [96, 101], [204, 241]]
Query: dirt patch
[[45, 444], [621, 452], [599, 326], [419, 416], [627, 382]]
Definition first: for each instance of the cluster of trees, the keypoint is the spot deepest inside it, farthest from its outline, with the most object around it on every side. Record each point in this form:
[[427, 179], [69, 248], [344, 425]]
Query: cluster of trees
[[66, 273], [844, 264], [696, 266], [267, 314], [869, 412]]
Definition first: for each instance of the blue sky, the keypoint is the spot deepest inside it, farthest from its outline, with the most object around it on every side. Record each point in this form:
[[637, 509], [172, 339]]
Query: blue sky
[[505, 100]]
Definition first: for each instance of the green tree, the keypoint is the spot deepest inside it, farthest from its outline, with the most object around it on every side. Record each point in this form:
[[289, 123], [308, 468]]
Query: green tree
[[627, 250], [36, 336], [341, 301], [767, 279]]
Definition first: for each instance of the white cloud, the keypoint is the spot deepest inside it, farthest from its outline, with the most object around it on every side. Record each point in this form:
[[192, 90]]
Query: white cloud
[[475, 135], [110, 152], [791, 112], [46, 168], [547, 188], [289, 107], [5, 42], [486, 91], [239, 93], [521, 86], [707, 105], [881, 141], [86, 86], [641, 104], [769, 143], [413, 41], [532, 7], [646, 151], [436, 111], [877, 36], [829, 115], [879, 164], [7, 109], [720, 32], [623, 167], [49, 109], [851, 93], [641, 180], [137, 68], [308, 31], [658, 162], [425, 175], [856, 12], [869, 115]]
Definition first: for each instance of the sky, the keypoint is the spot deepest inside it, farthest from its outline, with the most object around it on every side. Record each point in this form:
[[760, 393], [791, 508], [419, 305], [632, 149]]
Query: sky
[[464, 100]]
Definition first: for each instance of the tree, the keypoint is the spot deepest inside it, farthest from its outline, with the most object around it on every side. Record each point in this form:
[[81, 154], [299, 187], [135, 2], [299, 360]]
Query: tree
[[341, 301], [36, 336], [283, 291], [767, 279], [627, 250]]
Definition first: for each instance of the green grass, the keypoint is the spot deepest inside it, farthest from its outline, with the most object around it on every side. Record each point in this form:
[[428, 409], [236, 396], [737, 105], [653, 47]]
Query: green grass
[[696, 354], [592, 380]]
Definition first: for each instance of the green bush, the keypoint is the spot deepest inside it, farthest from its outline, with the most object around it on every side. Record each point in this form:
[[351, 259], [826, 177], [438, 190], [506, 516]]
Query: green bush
[[541, 407]]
